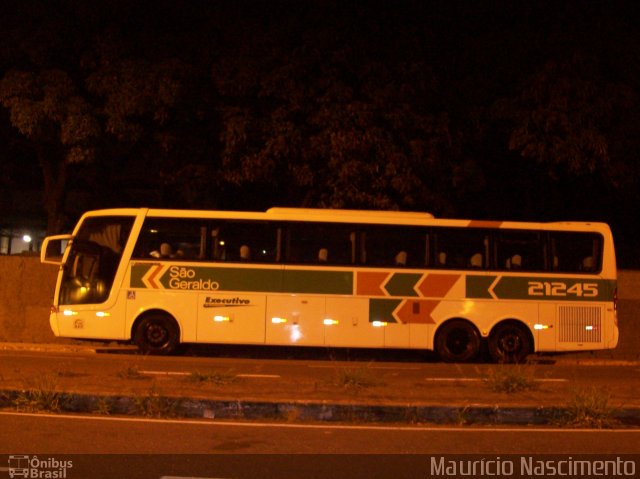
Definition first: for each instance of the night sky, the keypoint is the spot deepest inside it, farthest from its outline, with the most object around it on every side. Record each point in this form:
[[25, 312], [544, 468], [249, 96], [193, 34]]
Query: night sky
[[496, 110]]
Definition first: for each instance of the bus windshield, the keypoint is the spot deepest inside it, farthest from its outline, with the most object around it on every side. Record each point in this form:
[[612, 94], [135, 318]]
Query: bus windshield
[[93, 259]]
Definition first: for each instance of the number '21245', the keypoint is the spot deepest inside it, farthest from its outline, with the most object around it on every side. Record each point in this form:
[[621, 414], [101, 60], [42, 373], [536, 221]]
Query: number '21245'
[[545, 288]]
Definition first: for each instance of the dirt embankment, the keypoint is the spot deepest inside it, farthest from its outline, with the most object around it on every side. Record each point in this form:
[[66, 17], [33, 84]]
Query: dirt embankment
[[26, 293]]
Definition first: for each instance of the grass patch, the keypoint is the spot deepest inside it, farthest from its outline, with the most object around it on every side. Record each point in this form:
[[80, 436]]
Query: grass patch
[[103, 407], [590, 408], [156, 406], [216, 377], [462, 417], [356, 378], [132, 372], [43, 396], [511, 379]]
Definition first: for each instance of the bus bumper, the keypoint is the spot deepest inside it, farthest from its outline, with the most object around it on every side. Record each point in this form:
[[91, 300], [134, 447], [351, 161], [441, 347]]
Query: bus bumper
[[53, 322], [615, 336]]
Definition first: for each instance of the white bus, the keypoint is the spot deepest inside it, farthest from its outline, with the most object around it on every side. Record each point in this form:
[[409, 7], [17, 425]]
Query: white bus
[[335, 278]]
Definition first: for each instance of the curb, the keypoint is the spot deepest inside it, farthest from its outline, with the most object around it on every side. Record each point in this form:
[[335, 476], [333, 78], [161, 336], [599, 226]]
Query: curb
[[98, 348], [156, 406]]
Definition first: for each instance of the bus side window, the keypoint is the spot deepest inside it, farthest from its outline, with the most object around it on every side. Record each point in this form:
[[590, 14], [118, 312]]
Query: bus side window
[[320, 243], [476, 261], [245, 241], [519, 250], [576, 252], [401, 259], [394, 246], [178, 239], [461, 248]]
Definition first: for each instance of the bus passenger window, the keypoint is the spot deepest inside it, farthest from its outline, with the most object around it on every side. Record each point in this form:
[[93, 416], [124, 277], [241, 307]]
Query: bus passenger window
[[394, 246], [401, 258], [576, 252], [476, 261], [461, 248], [245, 241], [179, 239], [519, 250], [320, 243]]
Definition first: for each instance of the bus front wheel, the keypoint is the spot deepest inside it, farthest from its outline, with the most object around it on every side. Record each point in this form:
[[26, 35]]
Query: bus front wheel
[[457, 341], [509, 343], [157, 333]]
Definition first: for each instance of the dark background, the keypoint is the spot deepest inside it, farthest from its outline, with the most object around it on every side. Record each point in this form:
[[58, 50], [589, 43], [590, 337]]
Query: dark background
[[502, 110]]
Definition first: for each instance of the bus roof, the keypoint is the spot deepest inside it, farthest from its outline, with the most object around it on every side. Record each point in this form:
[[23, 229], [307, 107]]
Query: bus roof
[[370, 214], [354, 216]]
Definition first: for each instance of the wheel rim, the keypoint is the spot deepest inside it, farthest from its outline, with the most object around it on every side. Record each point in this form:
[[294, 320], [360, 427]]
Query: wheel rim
[[510, 345], [458, 342], [157, 335]]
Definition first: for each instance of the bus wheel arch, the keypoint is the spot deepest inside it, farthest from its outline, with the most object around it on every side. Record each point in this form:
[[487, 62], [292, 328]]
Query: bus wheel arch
[[457, 340], [156, 332], [510, 341]]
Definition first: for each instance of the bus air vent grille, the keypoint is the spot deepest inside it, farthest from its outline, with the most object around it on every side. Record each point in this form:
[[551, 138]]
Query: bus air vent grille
[[580, 324]]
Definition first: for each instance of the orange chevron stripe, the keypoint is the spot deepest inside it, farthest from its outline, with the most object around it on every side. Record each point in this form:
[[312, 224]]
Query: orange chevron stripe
[[437, 285], [417, 311], [370, 283], [152, 277]]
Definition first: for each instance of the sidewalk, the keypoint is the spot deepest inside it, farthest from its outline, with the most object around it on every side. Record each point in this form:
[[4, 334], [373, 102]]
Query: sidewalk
[[334, 391]]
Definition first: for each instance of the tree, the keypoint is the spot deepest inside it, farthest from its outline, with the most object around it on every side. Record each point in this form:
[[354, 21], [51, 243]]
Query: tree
[[46, 108], [158, 117], [338, 116]]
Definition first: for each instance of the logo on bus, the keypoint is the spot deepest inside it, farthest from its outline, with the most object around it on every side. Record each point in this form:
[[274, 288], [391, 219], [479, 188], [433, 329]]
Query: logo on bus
[[521, 287], [560, 289], [210, 302], [165, 276]]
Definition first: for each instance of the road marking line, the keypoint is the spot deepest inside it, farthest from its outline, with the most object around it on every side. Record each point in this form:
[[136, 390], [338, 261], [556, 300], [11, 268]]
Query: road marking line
[[209, 423], [180, 373], [484, 379], [334, 366], [189, 477]]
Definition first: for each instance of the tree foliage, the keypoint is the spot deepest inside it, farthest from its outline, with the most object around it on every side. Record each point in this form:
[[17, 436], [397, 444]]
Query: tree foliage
[[333, 121], [566, 117], [488, 110], [47, 108]]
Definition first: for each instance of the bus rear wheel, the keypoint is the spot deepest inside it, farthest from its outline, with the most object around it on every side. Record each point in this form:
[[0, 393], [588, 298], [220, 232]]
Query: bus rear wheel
[[509, 343], [457, 341], [158, 334]]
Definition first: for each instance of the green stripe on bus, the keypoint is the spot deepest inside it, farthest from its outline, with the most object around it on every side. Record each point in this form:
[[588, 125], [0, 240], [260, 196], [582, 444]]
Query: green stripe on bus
[[137, 272], [243, 279], [478, 286], [267, 280], [403, 284], [540, 288], [382, 310], [317, 282]]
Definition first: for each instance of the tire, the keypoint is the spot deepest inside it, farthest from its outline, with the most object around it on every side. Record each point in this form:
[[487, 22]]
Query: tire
[[457, 341], [157, 334], [510, 343]]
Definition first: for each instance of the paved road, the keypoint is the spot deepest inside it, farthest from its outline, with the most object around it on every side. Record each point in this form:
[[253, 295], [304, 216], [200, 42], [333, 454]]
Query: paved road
[[209, 449], [80, 434], [165, 448], [396, 380]]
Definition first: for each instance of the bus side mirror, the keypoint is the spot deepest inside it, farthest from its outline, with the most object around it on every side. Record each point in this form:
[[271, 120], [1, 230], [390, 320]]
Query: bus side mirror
[[53, 248]]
